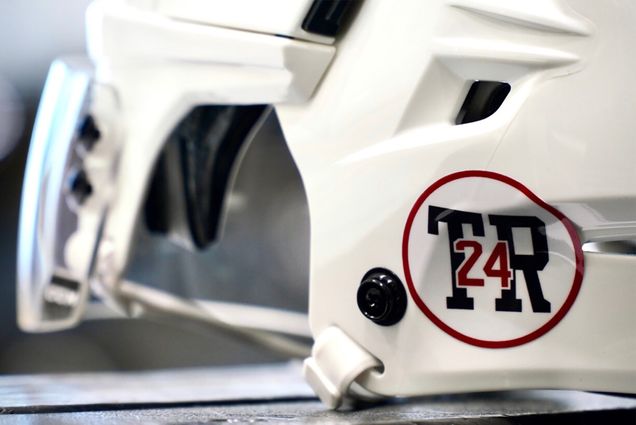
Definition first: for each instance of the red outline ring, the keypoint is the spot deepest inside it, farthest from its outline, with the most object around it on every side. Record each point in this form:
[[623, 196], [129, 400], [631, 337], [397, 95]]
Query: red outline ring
[[578, 252]]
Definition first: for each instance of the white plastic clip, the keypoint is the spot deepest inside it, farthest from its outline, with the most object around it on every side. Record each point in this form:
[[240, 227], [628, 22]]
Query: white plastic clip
[[336, 361]]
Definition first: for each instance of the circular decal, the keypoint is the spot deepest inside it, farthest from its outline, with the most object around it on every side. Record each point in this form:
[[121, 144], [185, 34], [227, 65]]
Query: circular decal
[[489, 262]]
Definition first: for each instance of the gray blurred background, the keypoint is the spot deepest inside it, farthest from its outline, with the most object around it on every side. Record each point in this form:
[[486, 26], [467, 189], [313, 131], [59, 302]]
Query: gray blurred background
[[262, 257]]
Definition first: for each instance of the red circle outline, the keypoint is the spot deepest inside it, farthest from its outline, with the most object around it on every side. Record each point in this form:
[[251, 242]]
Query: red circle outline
[[578, 251]]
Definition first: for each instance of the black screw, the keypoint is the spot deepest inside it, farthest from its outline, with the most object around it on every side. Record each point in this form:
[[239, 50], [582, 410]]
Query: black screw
[[381, 297], [78, 186], [88, 133]]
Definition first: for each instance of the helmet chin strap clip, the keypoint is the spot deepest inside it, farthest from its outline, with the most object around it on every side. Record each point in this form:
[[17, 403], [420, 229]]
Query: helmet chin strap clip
[[336, 362]]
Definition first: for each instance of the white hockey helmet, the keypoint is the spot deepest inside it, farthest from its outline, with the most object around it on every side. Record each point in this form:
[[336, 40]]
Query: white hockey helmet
[[468, 167]]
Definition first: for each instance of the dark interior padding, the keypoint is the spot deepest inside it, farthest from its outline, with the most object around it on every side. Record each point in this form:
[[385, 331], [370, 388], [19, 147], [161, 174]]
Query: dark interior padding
[[195, 167]]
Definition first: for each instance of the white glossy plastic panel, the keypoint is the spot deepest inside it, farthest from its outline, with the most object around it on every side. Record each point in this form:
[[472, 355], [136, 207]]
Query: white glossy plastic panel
[[277, 17], [381, 130], [46, 221]]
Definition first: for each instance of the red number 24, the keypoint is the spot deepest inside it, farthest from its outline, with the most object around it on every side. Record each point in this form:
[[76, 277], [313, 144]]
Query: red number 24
[[499, 255]]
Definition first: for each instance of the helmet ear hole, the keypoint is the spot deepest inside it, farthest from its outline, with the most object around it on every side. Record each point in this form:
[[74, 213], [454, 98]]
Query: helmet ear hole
[[483, 99]]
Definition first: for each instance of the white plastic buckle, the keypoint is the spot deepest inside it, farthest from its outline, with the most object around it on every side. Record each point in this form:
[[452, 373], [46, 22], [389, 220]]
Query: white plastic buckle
[[335, 363]]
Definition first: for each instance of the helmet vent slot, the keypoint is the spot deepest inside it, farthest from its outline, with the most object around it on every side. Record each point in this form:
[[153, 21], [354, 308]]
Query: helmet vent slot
[[624, 247], [483, 99]]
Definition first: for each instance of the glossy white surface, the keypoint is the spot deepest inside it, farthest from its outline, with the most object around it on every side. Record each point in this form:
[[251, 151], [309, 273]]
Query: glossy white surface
[[45, 221], [276, 17], [371, 131], [162, 68], [380, 130]]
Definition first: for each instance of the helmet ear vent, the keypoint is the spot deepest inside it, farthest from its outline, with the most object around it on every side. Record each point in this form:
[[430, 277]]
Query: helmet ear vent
[[483, 99]]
